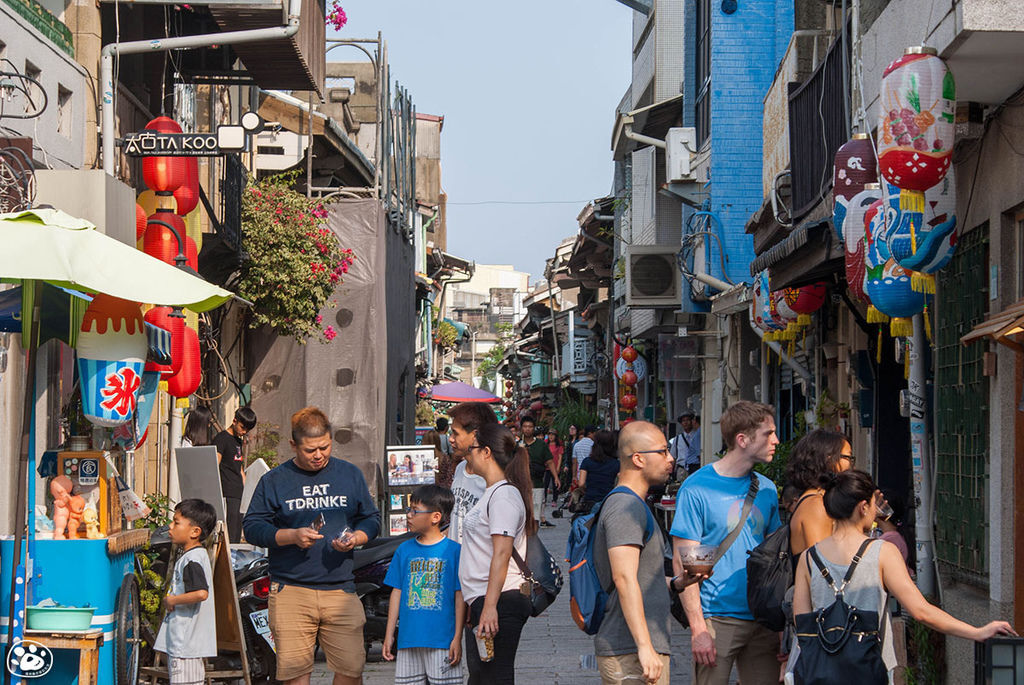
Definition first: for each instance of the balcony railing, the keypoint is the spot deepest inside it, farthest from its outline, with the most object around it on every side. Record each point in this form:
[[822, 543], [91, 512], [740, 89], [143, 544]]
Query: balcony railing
[[817, 127]]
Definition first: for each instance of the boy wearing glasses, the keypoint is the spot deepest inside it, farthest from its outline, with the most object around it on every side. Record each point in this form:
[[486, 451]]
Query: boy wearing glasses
[[427, 599]]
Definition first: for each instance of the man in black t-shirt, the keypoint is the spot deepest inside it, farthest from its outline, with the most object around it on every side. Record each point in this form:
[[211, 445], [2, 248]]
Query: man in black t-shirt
[[541, 463], [231, 465]]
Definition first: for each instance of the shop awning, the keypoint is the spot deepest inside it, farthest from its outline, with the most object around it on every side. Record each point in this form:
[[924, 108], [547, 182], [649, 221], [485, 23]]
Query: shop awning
[[49, 245], [811, 253], [1010, 321], [653, 121]]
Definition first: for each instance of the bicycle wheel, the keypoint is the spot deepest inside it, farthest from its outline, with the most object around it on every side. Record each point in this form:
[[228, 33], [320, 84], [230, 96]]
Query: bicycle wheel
[[127, 632]]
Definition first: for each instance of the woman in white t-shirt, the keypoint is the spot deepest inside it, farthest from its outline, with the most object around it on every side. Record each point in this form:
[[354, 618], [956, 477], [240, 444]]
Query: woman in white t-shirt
[[489, 576]]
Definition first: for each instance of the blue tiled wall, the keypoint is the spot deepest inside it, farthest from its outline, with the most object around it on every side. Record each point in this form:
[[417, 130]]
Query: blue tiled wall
[[746, 48]]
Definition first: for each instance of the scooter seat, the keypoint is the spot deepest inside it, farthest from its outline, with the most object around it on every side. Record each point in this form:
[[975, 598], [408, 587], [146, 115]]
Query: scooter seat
[[377, 550]]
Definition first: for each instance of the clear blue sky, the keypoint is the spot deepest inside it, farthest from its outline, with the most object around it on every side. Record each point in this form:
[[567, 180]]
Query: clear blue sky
[[528, 91]]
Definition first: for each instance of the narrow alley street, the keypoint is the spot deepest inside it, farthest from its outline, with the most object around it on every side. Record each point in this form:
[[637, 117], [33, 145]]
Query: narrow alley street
[[553, 651]]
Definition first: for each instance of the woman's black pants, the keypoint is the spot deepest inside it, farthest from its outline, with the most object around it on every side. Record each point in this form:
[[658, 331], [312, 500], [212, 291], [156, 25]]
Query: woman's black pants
[[513, 611]]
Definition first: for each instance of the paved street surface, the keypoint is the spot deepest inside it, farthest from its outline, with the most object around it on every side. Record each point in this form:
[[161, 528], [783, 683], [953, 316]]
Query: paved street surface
[[553, 651]]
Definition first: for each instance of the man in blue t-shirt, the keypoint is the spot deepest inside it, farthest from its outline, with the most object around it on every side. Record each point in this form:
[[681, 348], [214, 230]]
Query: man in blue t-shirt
[[708, 507], [310, 512]]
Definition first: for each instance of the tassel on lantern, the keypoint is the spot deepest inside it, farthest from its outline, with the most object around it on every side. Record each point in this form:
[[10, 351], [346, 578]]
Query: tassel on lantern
[[803, 320], [901, 327], [878, 347], [911, 200], [876, 316], [927, 325], [922, 283], [906, 364]]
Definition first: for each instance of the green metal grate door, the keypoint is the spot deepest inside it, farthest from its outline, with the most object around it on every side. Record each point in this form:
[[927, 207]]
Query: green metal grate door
[[961, 431]]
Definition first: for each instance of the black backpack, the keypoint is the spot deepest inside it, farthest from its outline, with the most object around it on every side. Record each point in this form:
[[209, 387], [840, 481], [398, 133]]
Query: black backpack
[[770, 568], [839, 643]]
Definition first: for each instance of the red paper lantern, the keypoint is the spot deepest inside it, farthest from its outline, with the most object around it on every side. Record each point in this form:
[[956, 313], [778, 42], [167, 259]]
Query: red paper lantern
[[629, 354], [160, 241], [186, 381], [187, 195], [805, 301], [161, 318], [508, 393], [629, 378], [537, 406], [140, 221], [164, 174], [628, 402]]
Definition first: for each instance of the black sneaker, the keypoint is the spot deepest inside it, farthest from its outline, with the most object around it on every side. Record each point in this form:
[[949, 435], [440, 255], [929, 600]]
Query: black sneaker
[[546, 524]]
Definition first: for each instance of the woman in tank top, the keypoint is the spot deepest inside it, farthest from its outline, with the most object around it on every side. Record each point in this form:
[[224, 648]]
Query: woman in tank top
[[815, 461], [850, 500]]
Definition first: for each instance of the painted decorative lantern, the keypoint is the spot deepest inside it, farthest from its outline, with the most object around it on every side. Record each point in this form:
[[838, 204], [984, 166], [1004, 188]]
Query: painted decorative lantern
[[164, 174], [784, 313], [186, 381], [924, 242], [854, 167], [628, 402], [766, 317], [887, 283], [915, 133], [854, 238], [805, 300], [112, 350], [629, 378]]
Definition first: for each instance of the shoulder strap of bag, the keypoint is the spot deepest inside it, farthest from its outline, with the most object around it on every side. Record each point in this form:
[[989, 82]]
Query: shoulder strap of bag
[[748, 503], [523, 568], [849, 571], [801, 500]]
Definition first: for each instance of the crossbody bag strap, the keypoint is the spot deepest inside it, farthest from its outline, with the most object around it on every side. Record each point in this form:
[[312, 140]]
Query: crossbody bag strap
[[748, 503], [523, 568], [849, 571], [854, 562]]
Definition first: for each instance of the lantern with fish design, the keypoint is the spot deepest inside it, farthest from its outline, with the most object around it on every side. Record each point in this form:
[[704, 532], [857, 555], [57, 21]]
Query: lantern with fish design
[[924, 242], [887, 283]]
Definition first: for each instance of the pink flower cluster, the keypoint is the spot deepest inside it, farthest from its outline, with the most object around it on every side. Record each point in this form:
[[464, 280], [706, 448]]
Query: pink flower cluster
[[330, 333], [336, 17]]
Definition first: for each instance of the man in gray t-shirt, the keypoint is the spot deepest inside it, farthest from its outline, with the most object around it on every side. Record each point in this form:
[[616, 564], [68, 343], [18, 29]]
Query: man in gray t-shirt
[[632, 643]]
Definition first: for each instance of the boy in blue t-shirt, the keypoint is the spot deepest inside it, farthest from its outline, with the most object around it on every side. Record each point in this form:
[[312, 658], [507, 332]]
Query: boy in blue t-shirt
[[426, 600]]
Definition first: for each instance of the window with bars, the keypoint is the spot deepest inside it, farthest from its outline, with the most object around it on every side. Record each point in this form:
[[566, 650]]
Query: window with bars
[[702, 114], [961, 416]]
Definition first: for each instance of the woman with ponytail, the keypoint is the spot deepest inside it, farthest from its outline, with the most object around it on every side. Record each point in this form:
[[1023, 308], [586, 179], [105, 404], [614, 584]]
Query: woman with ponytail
[[489, 576], [849, 499]]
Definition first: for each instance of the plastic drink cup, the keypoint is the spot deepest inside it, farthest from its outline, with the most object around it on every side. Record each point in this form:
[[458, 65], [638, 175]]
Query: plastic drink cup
[[484, 645]]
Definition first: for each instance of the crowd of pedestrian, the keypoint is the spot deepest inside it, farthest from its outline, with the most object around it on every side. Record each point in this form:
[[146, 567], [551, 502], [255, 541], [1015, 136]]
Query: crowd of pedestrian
[[458, 583]]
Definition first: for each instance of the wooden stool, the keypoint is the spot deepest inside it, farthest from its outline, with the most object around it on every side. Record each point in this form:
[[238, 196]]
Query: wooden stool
[[87, 642]]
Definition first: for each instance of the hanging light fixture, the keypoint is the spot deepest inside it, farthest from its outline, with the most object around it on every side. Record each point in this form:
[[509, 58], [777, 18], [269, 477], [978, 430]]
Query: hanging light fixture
[[111, 348]]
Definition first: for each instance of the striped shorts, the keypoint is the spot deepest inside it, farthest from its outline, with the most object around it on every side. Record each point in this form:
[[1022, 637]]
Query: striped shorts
[[426, 666], [182, 671]]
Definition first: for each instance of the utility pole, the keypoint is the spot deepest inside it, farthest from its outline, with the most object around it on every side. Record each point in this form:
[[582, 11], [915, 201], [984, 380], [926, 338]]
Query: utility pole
[[920, 455]]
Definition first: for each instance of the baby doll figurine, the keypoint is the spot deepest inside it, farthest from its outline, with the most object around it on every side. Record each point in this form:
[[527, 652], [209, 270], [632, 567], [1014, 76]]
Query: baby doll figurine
[[76, 509], [92, 523], [60, 488]]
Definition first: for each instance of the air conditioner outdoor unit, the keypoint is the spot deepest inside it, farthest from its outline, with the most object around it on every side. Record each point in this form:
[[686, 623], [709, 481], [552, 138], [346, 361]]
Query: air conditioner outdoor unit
[[680, 145], [652, 276]]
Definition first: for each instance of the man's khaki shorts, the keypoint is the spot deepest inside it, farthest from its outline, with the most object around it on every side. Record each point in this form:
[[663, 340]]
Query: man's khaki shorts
[[298, 616]]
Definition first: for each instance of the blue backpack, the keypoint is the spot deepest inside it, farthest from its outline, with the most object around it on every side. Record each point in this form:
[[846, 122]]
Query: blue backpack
[[587, 597]]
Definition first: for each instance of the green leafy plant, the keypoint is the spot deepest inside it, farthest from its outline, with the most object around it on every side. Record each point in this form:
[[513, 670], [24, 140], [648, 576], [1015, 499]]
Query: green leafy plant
[[445, 334], [488, 366], [572, 411], [266, 438], [295, 262], [926, 655], [424, 414], [160, 512]]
